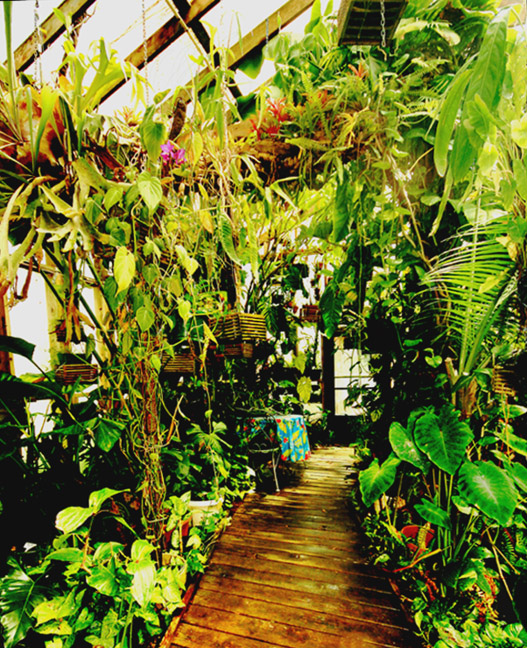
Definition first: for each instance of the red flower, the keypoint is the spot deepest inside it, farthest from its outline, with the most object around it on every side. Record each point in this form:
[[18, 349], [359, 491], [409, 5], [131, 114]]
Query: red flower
[[277, 109]]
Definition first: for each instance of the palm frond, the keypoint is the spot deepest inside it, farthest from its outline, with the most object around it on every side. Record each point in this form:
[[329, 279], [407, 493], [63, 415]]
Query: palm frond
[[473, 284]]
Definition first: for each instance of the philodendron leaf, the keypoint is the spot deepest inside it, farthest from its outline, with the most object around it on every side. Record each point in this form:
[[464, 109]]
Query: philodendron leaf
[[303, 389], [145, 318], [404, 446], [443, 438], [97, 498], [518, 472], [123, 268], [150, 190], [71, 518], [433, 514], [19, 595], [377, 479], [486, 486]]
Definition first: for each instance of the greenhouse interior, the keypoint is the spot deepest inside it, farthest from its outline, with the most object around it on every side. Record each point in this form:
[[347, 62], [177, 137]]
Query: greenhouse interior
[[263, 324]]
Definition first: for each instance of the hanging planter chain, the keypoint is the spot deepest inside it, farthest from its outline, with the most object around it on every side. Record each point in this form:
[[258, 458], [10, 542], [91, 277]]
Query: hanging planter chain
[[39, 45]]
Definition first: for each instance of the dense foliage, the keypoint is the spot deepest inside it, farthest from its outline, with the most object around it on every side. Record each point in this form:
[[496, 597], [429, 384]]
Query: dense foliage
[[386, 186]]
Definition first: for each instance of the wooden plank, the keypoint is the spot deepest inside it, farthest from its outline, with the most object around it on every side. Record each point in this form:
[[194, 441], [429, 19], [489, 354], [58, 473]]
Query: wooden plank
[[323, 560], [271, 535], [314, 602], [51, 29], [332, 624], [353, 578], [271, 631], [356, 593], [297, 546]]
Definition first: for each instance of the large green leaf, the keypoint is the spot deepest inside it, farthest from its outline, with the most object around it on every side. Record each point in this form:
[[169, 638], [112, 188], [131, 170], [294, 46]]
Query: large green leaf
[[518, 472], [485, 82], [71, 518], [98, 497], [225, 232], [486, 486], [404, 446], [331, 305], [123, 268], [107, 433], [443, 438], [19, 595], [377, 479], [150, 190], [433, 514], [447, 119]]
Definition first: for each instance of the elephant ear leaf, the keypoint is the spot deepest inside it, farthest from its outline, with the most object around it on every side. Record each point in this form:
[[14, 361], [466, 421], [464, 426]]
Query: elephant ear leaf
[[443, 438], [486, 486], [19, 595], [377, 479], [404, 446]]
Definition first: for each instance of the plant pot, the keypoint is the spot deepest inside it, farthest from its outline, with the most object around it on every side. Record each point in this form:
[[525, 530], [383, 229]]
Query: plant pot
[[309, 313], [239, 327], [239, 350], [202, 510], [179, 363], [68, 374], [423, 536]]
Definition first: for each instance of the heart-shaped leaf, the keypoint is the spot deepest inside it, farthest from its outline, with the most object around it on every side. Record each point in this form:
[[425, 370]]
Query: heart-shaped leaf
[[486, 486], [443, 438], [377, 479]]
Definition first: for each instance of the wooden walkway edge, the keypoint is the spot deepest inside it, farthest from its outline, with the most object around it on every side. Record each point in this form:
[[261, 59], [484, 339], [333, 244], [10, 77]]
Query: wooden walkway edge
[[287, 573]]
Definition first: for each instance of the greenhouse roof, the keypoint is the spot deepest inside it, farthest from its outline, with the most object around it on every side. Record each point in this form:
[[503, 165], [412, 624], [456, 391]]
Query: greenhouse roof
[[169, 34]]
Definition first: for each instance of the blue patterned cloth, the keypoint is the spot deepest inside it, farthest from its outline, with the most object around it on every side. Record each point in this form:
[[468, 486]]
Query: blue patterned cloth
[[290, 429]]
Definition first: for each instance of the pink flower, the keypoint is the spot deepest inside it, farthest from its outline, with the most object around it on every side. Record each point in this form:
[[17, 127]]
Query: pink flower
[[170, 153]]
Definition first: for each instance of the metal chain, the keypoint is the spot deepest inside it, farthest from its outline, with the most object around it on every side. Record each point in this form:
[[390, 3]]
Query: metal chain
[[39, 45], [267, 30], [145, 52], [383, 24]]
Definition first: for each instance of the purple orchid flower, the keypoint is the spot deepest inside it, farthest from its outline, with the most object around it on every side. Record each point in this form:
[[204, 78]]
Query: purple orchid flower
[[170, 153]]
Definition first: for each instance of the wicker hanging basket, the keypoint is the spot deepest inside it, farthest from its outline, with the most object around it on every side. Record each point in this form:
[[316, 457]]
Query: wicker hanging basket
[[180, 363], [239, 327], [69, 373], [310, 313]]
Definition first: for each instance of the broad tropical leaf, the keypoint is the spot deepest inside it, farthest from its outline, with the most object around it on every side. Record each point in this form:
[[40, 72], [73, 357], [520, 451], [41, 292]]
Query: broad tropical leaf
[[377, 479], [443, 438], [19, 595], [486, 486], [433, 514], [404, 446]]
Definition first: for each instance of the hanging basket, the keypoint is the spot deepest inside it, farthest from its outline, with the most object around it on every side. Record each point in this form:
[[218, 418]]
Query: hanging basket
[[239, 350], [310, 313], [67, 374], [180, 363], [239, 327], [501, 381], [360, 21]]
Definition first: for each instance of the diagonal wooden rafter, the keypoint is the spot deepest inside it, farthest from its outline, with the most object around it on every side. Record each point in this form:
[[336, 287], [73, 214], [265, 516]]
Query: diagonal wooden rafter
[[267, 30], [170, 31], [51, 29]]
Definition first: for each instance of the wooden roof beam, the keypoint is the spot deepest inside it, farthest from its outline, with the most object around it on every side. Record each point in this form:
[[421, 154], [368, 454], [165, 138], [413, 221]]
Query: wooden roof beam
[[163, 37], [51, 29], [266, 30]]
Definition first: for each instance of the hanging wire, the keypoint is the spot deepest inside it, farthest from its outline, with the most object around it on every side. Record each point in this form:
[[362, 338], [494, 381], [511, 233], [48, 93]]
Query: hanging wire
[[39, 45], [383, 25], [145, 52]]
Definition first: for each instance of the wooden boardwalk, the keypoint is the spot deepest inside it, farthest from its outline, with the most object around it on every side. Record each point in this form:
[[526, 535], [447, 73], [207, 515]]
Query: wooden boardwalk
[[287, 573]]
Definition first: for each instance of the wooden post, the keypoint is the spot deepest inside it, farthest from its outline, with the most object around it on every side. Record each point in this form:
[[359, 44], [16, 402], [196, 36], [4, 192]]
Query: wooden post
[[6, 361]]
